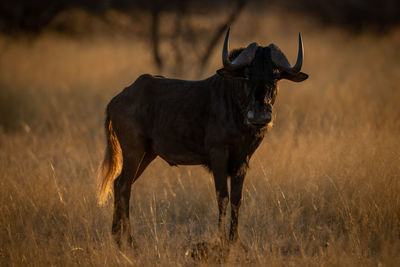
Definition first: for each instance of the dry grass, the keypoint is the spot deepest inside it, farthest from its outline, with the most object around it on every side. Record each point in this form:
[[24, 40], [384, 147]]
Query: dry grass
[[323, 188]]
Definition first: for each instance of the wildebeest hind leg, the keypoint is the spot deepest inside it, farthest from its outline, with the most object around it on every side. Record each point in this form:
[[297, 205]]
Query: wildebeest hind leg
[[134, 163]]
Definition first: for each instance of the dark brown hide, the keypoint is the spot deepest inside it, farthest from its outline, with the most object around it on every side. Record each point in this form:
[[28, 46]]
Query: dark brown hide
[[187, 123], [183, 122]]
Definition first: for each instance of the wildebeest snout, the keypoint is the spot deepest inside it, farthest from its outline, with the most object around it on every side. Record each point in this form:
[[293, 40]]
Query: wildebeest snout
[[260, 115]]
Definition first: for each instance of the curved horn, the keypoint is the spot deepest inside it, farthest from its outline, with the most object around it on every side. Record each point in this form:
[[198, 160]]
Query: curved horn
[[225, 56], [280, 60], [244, 58], [299, 62]]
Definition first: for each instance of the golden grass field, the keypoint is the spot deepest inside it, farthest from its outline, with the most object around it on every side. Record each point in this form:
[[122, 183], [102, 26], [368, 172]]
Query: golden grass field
[[322, 189]]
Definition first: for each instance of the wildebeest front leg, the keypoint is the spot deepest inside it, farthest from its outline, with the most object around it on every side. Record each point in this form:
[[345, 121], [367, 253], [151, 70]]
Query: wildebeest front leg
[[220, 172], [236, 199], [221, 189], [219, 249]]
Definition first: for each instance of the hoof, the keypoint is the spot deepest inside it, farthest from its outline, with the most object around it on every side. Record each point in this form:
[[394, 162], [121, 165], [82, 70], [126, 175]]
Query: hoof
[[241, 253], [209, 252], [241, 246], [128, 244], [131, 243]]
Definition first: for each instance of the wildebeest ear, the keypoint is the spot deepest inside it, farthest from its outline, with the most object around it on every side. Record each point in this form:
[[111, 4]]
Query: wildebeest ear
[[298, 77], [230, 73]]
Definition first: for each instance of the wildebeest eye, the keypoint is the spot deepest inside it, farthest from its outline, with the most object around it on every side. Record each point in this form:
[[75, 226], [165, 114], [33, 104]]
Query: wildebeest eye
[[276, 74]]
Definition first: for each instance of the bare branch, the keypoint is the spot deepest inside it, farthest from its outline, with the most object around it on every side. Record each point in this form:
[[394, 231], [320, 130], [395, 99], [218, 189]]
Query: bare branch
[[155, 37], [176, 37], [220, 32]]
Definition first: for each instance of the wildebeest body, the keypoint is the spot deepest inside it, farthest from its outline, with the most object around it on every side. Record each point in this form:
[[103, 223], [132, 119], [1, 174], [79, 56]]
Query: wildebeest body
[[183, 122], [218, 122]]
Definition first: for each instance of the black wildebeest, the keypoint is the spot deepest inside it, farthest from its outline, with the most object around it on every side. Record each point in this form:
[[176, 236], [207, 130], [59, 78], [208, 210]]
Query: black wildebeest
[[218, 122]]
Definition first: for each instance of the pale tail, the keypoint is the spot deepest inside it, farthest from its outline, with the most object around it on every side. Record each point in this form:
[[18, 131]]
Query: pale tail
[[111, 166]]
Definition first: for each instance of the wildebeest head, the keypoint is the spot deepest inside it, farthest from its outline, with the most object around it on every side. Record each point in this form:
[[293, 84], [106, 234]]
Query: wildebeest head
[[261, 68]]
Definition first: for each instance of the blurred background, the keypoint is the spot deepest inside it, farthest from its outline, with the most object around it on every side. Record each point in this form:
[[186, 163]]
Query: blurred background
[[322, 189], [183, 25]]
